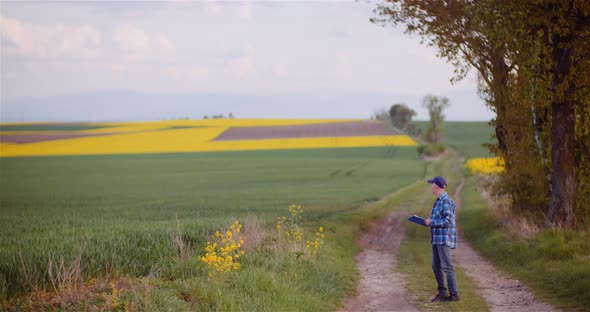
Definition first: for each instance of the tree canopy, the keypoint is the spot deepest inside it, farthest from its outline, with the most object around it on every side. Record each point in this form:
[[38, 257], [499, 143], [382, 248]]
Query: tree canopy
[[401, 115], [435, 106], [533, 64]]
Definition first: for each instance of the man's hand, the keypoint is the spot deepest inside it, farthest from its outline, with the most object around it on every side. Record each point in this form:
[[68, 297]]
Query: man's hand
[[427, 221]]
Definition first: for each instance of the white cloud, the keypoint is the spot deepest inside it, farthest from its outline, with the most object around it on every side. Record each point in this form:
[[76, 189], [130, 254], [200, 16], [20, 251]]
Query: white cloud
[[55, 40], [197, 74], [249, 49], [162, 43], [342, 58], [242, 65], [191, 74], [343, 67], [134, 40], [213, 8], [131, 38], [246, 9], [280, 70]]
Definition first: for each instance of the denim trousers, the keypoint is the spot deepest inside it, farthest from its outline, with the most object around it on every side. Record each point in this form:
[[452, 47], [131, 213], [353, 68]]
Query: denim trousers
[[441, 262]]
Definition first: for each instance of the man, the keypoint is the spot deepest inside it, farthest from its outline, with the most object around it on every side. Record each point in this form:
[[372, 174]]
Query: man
[[443, 235]]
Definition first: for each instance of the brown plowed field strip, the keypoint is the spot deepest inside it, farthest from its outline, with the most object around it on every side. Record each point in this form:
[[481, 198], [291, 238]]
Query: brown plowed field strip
[[341, 129], [34, 138]]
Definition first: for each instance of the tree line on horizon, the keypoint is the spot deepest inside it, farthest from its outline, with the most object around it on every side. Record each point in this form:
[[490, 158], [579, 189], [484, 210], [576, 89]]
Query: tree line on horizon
[[533, 66], [400, 116]]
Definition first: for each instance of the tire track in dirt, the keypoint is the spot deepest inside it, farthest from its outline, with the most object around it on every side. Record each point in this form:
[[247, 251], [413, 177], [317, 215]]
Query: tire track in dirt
[[500, 292], [381, 287]]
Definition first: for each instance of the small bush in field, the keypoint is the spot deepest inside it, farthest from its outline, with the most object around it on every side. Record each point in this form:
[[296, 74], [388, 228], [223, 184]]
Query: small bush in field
[[431, 149]]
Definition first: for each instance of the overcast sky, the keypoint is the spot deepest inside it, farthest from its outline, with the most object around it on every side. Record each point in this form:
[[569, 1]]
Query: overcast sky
[[240, 47]]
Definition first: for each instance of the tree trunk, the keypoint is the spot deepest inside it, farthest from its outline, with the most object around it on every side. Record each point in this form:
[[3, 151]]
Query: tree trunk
[[563, 156], [501, 134], [563, 159], [499, 87]]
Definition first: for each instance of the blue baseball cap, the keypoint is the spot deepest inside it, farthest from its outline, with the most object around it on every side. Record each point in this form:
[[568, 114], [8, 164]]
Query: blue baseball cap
[[440, 181]]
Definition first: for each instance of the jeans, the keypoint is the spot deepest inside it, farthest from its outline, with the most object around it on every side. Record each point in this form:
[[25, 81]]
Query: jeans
[[441, 262]]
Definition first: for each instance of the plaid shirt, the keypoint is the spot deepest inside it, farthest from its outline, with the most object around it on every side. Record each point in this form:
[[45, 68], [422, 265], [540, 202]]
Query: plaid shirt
[[442, 226]]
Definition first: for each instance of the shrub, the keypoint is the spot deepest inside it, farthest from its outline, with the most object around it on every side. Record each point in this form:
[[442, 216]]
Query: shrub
[[432, 149], [485, 165]]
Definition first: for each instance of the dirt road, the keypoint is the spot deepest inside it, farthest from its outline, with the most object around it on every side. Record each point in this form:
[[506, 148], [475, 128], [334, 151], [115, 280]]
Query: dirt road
[[382, 286]]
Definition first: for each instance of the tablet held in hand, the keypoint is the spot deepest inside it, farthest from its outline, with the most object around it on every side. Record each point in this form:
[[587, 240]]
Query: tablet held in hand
[[417, 220]]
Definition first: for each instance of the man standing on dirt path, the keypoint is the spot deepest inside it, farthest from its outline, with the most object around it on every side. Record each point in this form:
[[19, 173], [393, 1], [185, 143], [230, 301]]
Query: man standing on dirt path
[[443, 236]]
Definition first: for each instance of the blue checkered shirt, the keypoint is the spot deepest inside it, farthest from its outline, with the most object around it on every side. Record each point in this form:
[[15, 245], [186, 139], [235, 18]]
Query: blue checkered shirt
[[442, 226]]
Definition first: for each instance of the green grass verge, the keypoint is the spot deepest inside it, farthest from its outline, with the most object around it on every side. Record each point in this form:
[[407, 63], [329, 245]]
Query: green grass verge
[[555, 264], [269, 281], [273, 280]]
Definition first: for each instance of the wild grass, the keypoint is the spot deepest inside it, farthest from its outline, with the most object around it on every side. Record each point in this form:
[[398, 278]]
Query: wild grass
[[554, 263], [499, 210], [254, 232]]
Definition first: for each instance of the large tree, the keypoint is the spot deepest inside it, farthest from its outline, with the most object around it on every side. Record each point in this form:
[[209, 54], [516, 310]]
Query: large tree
[[457, 29], [435, 106], [470, 36], [401, 115], [532, 60], [551, 44], [563, 29]]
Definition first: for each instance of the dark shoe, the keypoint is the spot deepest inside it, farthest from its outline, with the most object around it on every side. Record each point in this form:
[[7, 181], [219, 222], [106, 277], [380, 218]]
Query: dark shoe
[[453, 298], [439, 298]]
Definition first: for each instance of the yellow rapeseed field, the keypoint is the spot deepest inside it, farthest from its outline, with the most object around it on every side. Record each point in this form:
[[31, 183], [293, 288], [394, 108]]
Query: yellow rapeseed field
[[185, 136], [491, 165]]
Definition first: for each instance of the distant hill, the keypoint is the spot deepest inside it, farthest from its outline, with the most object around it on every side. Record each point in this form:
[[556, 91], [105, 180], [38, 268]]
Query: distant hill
[[132, 106]]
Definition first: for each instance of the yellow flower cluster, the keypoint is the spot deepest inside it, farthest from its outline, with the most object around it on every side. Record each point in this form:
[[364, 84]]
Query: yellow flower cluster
[[314, 247], [187, 136], [291, 226], [485, 165], [223, 254]]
